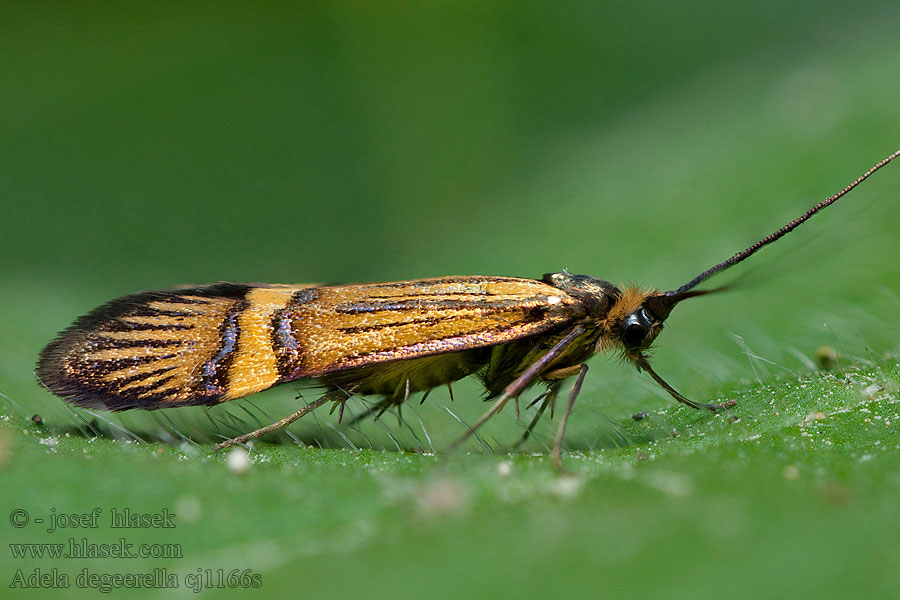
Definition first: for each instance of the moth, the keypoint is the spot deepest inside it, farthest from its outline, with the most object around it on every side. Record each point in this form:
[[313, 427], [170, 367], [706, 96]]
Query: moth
[[211, 344]]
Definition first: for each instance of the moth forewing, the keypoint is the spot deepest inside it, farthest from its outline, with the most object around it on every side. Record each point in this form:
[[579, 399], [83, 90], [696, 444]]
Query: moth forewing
[[210, 344]]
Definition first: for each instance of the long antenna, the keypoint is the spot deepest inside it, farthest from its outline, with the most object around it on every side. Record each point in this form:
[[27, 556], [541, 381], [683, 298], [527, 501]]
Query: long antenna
[[781, 232]]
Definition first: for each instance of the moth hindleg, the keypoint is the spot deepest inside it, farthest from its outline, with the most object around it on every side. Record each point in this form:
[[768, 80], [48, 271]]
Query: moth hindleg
[[331, 396]]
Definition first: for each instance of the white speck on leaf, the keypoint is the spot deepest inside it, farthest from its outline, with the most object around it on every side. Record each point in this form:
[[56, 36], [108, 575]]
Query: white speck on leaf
[[238, 461]]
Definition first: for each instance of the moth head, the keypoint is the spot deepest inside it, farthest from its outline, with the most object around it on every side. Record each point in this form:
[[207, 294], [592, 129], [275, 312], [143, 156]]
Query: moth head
[[642, 324], [639, 329]]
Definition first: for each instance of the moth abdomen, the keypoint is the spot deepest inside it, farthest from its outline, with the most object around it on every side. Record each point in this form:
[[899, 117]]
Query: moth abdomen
[[396, 380]]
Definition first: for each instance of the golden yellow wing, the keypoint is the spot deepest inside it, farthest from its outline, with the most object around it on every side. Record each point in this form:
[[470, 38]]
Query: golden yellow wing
[[216, 343]]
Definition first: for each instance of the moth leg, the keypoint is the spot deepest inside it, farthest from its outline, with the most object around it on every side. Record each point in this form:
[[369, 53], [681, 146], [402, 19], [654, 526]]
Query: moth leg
[[549, 399], [425, 396], [330, 396], [557, 443], [563, 373], [382, 407], [369, 412], [538, 399], [558, 374], [521, 382], [643, 364]]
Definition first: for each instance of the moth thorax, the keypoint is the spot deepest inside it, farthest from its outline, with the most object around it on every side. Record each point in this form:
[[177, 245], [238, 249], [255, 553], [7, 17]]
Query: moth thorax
[[597, 295]]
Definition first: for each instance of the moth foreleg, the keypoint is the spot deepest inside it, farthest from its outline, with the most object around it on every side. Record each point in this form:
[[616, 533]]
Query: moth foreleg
[[521, 382], [573, 394], [644, 365], [332, 396]]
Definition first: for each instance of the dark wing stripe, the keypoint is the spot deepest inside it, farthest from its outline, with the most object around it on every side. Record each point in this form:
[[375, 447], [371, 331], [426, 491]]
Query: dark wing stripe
[[216, 369], [113, 343], [125, 326], [355, 308], [284, 344], [426, 294], [383, 326], [427, 283], [107, 366], [125, 381]]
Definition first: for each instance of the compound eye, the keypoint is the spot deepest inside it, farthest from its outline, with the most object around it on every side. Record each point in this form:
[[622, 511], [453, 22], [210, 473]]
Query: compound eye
[[633, 333]]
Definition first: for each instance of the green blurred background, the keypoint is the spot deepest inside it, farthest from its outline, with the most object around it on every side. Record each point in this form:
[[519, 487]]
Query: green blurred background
[[156, 144]]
